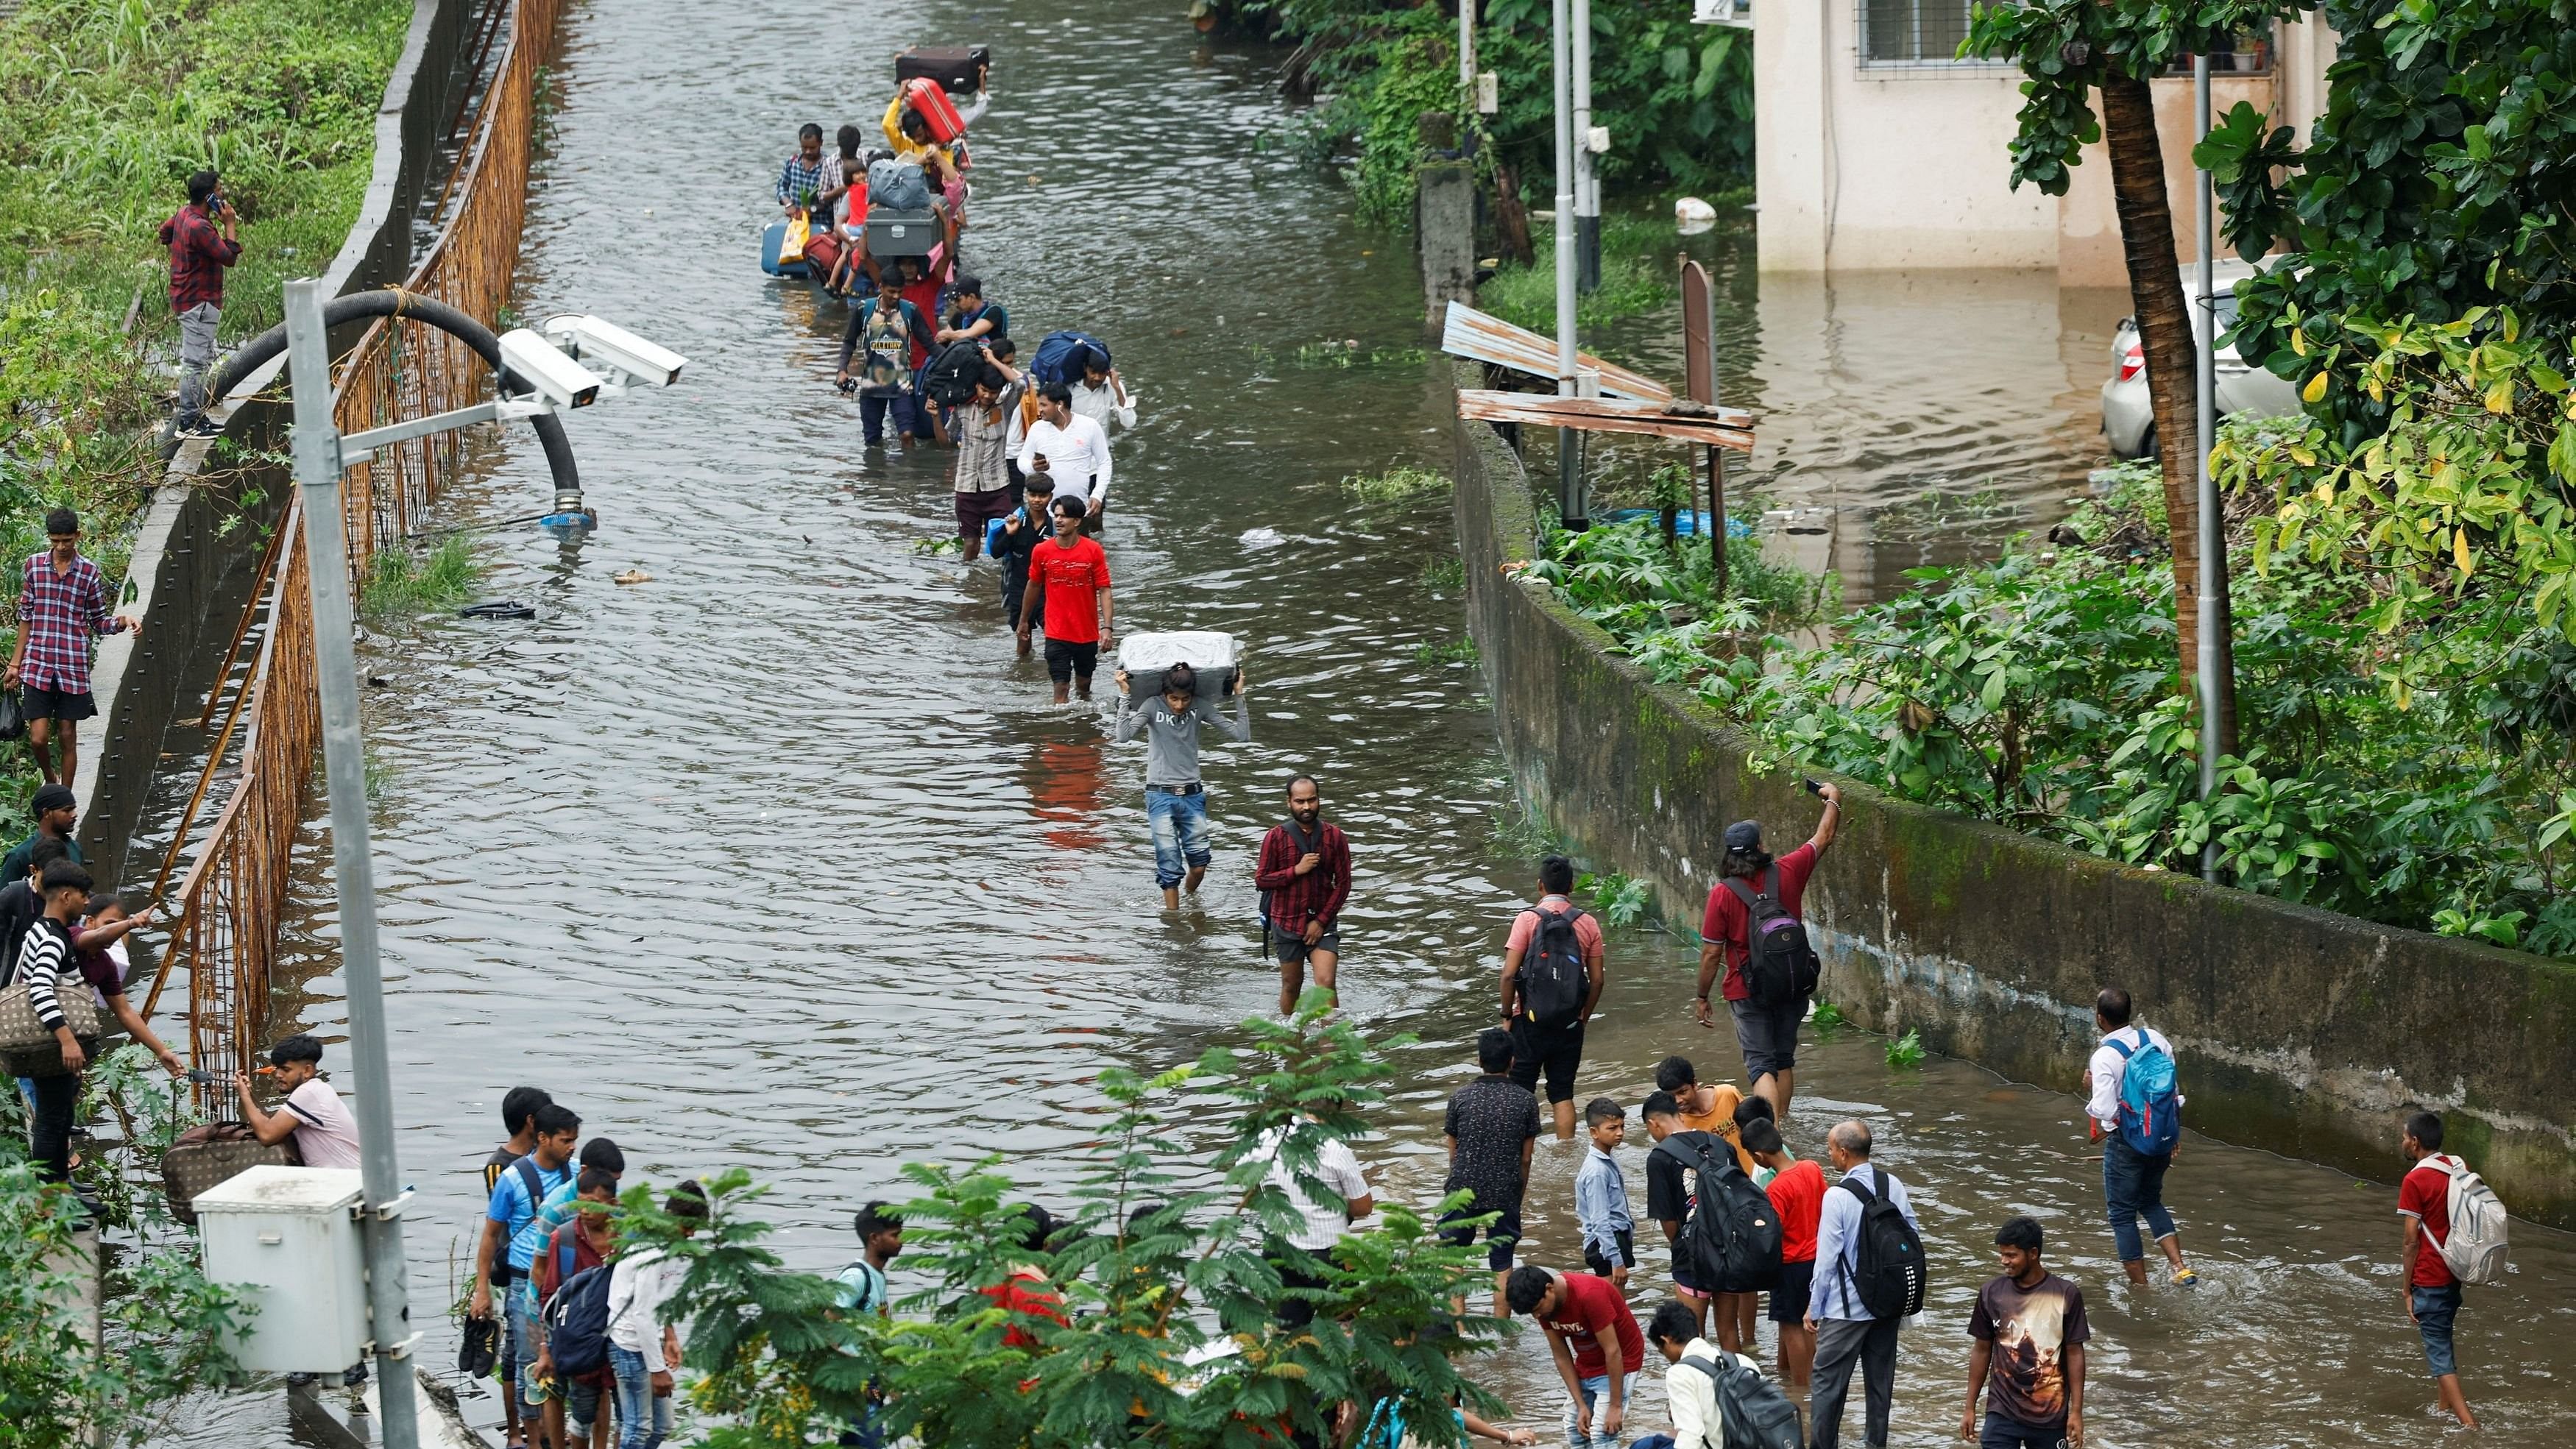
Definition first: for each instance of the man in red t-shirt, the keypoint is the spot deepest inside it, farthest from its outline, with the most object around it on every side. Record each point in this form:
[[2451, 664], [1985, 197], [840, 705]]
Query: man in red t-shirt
[[1595, 1342], [1069, 582], [2432, 1292], [1797, 1190], [1767, 1033]]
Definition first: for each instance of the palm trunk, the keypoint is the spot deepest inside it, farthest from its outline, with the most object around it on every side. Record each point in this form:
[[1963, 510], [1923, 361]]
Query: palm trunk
[[2164, 327]]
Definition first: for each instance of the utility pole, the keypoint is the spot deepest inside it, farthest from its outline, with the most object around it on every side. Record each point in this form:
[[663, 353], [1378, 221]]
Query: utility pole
[[1587, 185], [1569, 443], [2212, 539], [335, 668]]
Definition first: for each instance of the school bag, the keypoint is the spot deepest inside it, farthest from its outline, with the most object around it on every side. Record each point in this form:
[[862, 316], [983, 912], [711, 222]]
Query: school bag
[[1780, 963], [2150, 1104], [1058, 358], [1886, 1267], [1553, 982], [1752, 1413], [576, 1321], [2474, 1250], [1731, 1240], [950, 379], [897, 185]]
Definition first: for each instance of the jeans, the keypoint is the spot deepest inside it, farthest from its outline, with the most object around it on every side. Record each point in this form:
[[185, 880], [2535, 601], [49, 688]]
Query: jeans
[[581, 1407], [51, 1125], [643, 1421], [1596, 1394], [907, 417], [523, 1353], [2133, 1184], [1843, 1344], [2435, 1309], [1015, 586], [1180, 828], [196, 354]]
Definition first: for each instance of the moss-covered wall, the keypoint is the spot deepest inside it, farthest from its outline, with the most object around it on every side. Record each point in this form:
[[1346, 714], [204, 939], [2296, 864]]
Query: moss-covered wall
[[2297, 1030]]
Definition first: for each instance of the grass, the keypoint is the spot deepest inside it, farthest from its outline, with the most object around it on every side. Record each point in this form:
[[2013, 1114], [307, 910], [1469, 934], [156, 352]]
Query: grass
[[1395, 485], [1828, 1017], [1906, 1050], [1637, 276], [1618, 899], [1456, 651], [403, 583], [1443, 573]]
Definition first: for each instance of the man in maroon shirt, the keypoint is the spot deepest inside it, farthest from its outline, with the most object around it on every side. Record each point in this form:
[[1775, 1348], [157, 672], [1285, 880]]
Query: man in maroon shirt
[[1594, 1340], [199, 252], [1768, 1034], [1305, 877]]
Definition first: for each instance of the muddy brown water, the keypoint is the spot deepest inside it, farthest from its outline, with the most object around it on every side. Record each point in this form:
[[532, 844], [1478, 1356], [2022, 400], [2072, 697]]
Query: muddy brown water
[[781, 860]]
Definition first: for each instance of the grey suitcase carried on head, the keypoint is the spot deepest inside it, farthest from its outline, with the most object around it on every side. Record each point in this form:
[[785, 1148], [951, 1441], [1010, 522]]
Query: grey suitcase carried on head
[[1213, 655]]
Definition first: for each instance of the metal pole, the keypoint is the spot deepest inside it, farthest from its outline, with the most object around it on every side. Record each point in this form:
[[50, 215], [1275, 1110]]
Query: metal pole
[[335, 667], [1569, 471], [2206, 313], [1467, 50], [1587, 185]]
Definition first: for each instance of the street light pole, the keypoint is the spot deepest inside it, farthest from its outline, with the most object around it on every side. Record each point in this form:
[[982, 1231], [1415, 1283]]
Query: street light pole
[[1569, 468], [335, 667], [1587, 181], [2210, 618]]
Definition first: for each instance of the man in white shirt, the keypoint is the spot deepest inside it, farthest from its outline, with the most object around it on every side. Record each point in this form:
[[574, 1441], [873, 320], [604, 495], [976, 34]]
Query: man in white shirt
[[642, 1349], [1847, 1334], [2133, 1183], [1076, 450], [324, 1132], [1102, 394], [1322, 1219]]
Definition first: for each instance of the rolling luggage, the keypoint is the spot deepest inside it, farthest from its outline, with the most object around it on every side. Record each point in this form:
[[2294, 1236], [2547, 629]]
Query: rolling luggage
[[955, 67], [893, 233], [929, 100], [772, 238], [1212, 654]]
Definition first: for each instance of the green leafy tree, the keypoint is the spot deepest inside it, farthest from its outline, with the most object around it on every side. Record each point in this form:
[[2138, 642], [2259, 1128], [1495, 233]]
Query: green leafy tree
[[1157, 1327]]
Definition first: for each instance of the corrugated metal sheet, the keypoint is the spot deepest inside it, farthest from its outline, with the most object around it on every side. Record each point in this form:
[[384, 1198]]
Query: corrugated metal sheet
[[1686, 421], [1470, 333]]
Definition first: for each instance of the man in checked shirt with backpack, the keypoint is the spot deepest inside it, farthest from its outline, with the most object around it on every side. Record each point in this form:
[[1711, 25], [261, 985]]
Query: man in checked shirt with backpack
[[62, 606]]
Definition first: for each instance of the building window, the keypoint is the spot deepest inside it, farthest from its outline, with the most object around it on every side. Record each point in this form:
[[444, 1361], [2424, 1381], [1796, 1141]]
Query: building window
[[1914, 34], [2249, 53]]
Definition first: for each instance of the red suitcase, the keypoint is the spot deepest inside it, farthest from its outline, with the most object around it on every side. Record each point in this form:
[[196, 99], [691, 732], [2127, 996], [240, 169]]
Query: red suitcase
[[929, 100]]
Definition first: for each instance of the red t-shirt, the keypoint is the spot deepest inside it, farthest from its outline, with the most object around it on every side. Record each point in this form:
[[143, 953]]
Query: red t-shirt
[[1798, 1196], [1591, 1308], [1028, 1303], [2426, 1194], [1070, 576], [1726, 919]]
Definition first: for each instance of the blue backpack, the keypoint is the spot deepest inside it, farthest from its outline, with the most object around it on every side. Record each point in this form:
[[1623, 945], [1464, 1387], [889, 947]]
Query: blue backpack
[[577, 1321], [1059, 356], [2150, 1105]]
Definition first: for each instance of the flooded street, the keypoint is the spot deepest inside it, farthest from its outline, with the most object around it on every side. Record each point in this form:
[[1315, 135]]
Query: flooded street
[[780, 860]]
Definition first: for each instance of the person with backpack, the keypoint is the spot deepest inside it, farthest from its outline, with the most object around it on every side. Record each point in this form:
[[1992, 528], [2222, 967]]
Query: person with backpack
[[1553, 965], [1717, 1399], [1594, 1340], [1175, 797], [584, 1238], [1755, 931], [508, 1251], [1304, 875], [1013, 539], [1725, 1235], [1870, 1276], [981, 477], [2136, 1112], [890, 339], [1491, 1127], [2028, 1361], [1100, 394], [2454, 1230]]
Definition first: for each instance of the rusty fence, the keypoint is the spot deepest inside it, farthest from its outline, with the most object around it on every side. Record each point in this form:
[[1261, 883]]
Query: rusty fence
[[229, 906]]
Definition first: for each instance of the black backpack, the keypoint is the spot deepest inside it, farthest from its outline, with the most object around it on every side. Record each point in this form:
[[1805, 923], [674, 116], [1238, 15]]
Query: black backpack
[[577, 1322], [1780, 963], [950, 379], [1886, 1266], [1731, 1241], [1553, 982], [1752, 1413]]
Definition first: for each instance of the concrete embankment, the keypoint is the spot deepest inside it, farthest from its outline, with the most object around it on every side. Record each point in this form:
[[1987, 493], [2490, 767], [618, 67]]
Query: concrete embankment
[[193, 542], [2297, 1030]]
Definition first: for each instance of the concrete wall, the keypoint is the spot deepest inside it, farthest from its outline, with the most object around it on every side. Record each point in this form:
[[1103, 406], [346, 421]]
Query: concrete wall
[[184, 559], [1865, 167], [2297, 1030]]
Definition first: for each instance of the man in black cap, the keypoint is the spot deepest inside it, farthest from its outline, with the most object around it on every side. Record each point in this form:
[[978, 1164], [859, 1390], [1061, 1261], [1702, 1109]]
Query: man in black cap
[[56, 810], [1747, 875]]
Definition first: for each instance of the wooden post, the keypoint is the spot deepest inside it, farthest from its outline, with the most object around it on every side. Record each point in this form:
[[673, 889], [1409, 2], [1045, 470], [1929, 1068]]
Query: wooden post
[[1699, 365]]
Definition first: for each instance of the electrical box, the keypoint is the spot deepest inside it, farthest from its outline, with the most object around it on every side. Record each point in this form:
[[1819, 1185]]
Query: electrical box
[[286, 1240], [1597, 140], [1489, 94]]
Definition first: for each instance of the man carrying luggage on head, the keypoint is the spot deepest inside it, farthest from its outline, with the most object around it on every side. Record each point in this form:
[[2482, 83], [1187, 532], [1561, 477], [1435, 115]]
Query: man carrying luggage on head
[[1175, 798], [1305, 878]]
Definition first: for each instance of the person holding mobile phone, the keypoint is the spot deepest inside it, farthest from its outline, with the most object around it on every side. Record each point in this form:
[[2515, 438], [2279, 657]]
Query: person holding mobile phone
[[203, 238], [1761, 896]]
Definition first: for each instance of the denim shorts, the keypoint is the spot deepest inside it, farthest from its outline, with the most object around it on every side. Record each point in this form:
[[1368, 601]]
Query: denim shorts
[[2435, 1310]]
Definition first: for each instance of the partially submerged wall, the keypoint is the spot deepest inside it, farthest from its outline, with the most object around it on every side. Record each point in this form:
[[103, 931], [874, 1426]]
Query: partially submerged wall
[[2297, 1030], [186, 555]]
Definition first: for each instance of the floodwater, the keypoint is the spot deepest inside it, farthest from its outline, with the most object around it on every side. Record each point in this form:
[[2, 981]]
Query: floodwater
[[780, 859]]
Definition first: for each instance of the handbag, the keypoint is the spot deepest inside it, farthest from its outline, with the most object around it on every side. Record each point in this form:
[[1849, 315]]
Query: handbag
[[216, 1153], [27, 1049], [799, 232], [13, 716]]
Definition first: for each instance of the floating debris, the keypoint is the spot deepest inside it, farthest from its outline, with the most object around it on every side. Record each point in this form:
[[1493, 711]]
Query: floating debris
[[634, 576]]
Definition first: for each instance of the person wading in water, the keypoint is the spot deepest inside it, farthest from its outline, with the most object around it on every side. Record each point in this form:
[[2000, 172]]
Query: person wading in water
[[1305, 877]]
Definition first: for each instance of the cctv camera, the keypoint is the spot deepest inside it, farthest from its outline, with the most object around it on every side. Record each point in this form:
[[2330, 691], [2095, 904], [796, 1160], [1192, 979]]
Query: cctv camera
[[562, 382], [597, 340]]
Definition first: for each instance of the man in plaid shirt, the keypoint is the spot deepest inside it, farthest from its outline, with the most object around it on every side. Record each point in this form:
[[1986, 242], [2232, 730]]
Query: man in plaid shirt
[[62, 605], [804, 172], [199, 252], [1305, 878]]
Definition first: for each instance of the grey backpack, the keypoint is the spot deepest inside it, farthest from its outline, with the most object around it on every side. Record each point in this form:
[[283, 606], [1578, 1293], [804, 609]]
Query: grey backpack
[[897, 185]]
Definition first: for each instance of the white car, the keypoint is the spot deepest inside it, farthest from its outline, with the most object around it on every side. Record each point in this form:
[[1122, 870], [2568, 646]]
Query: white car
[[2128, 417]]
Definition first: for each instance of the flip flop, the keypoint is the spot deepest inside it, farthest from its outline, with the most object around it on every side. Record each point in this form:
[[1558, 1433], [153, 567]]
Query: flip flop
[[2186, 1279]]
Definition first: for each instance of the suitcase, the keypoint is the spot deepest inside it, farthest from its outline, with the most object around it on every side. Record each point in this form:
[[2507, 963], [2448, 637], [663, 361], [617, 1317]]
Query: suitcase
[[927, 99], [208, 1156], [772, 238], [957, 68], [893, 233], [1211, 654]]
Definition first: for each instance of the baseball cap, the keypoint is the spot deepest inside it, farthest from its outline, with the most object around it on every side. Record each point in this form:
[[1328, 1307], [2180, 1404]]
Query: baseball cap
[[1744, 835]]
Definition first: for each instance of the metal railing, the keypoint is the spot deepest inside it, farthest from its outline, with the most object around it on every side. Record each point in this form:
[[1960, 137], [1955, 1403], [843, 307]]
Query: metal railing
[[233, 899]]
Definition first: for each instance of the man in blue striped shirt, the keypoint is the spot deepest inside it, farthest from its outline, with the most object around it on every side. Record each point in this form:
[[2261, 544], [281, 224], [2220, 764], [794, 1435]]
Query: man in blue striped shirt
[[1847, 1334]]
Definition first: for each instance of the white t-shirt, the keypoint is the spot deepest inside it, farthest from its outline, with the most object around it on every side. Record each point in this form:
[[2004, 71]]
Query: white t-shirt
[[325, 1134], [1339, 1169], [1077, 454], [2108, 1067]]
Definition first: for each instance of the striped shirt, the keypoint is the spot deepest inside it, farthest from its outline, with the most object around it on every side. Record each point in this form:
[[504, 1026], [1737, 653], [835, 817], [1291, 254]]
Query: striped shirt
[[42, 959]]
